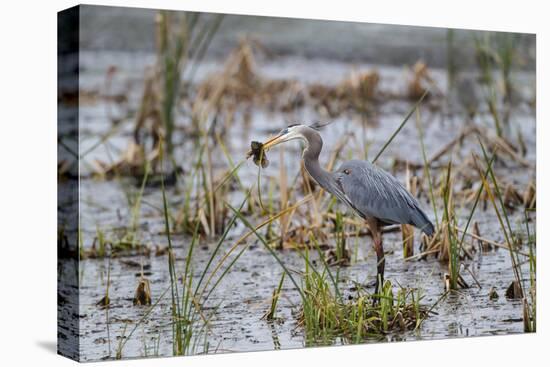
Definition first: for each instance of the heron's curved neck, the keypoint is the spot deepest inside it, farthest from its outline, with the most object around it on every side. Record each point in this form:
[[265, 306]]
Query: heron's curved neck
[[314, 145]]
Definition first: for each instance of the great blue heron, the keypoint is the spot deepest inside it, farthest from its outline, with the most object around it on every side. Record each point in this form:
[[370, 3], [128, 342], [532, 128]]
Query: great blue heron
[[371, 193]]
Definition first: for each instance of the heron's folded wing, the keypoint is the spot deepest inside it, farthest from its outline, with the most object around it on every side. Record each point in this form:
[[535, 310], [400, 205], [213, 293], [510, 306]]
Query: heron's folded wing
[[375, 193]]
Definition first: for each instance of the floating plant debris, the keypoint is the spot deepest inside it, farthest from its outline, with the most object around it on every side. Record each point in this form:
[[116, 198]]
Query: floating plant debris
[[258, 154], [143, 293], [493, 294], [514, 291], [104, 302]]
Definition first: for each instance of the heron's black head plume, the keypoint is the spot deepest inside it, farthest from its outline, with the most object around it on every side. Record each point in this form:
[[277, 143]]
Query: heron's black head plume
[[316, 125], [319, 125]]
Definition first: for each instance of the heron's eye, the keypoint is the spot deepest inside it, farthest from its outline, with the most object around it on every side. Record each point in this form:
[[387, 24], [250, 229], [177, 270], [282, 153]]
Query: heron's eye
[[347, 171]]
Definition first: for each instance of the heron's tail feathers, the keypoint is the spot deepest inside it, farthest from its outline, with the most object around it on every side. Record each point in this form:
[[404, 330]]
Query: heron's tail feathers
[[428, 228], [421, 221]]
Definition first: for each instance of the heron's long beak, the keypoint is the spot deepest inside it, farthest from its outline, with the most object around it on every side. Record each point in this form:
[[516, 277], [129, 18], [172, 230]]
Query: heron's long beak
[[274, 141]]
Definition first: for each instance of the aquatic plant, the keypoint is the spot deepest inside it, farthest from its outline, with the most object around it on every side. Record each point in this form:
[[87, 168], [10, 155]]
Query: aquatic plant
[[326, 315]]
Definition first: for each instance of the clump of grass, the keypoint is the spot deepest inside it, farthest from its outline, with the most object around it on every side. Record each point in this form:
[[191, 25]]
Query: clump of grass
[[451, 242], [325, 315], [270, 314]]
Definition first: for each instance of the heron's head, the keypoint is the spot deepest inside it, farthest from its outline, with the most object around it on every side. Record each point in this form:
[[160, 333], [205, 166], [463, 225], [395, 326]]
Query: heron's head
[[291, 132]]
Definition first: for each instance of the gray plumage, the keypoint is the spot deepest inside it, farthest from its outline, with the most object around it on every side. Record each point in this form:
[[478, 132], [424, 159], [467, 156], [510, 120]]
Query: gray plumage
[[375, 193], [367, 189]]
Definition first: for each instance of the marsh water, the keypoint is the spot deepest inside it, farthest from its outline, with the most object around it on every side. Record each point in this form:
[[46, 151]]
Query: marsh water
[[244, 295]]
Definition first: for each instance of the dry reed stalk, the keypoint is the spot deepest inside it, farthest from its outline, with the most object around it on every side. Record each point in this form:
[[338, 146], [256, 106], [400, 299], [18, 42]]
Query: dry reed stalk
[[529, 196]]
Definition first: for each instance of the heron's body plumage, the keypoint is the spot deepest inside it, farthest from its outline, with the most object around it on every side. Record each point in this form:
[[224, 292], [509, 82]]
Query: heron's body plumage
[[373, 192]]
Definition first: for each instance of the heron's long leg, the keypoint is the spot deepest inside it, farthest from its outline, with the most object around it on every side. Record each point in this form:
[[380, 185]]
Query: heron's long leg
[[379, 249]]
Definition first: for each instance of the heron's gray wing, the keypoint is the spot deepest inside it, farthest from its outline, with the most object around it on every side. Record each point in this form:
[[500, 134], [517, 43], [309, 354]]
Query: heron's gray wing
[[372, 192]]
